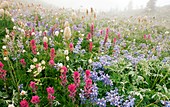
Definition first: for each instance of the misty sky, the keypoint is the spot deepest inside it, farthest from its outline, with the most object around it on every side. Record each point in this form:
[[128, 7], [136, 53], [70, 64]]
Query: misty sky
[[103, 5]]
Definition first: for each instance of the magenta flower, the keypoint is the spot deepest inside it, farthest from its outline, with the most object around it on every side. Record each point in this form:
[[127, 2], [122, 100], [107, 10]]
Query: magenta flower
[[90, 46], [76, 77], [1, 65], [45, 46], [89, 36], [71, 46], [51, 97], [50, 90], [114, 40], [51, 62], [24, 103], [63, 76], [2, 74], [72, 90], [52, 53], [87, 74], [88, 87], [35, 99], [33, 46], [33, 86], [92, 29], [22, 61]]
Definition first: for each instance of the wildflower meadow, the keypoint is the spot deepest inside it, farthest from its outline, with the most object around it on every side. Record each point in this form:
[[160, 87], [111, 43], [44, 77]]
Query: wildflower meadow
[[70, 58]]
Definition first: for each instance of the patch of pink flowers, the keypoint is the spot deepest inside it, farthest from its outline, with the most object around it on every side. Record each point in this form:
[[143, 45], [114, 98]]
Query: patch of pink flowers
[[24, 103], [72, 91], [76, 77], [33, 46], [22, 61], [33, 86], [35, 99], [2, 71], [52, 54], [50, 91], [63, 76]]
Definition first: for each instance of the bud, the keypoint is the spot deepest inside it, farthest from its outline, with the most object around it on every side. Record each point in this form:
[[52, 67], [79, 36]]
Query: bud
[[45, 39], [67, 33]]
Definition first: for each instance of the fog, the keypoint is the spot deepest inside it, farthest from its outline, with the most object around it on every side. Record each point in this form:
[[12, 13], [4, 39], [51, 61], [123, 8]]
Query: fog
[[103, 5]]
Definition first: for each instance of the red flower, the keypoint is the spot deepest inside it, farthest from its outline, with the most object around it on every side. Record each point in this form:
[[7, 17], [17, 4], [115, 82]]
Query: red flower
[[89, 36], [50, 90], [2, 74], [90, 46], [51, 97], [24, 103], [114, 40], [72, 90], [51, 62], [22, 61], [1, 65], [45, 46], [87, 74], [63, 76], [35, 99], [33, 86], [88, 87], [76, 77], [71, 46], [92, 29], [52, 53]]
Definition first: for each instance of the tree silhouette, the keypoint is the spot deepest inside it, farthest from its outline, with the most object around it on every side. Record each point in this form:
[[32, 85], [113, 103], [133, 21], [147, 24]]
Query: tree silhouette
[[151, 5]]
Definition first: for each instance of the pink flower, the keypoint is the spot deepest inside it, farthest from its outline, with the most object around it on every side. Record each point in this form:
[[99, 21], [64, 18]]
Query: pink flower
[[63, 76], [114, 40], [144, 36], [1, 65], [118, 35], [89, 36], [105, 39], [51, 62], [35, 99], [90, 46], [92, 29], [101, 32], [51, 97], [72, 90], [87, 74], [24, 103], [71, 46], [45, 46], [33, 86], [76, 77], [50, 90], [22, 61], [52, 53], [2, 74], [32, 42], [88, 87]]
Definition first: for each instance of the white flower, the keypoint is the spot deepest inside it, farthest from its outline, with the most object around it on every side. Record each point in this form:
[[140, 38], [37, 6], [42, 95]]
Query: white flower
[[66, 24], [14, 27], [32, 66], [34, 59], [4, 47], [7, 36], [56, 33], [90, 40], [5, 58], [23, 93], [60, 65], [82, 34], [12, 19], [22, 30], [67, 58], [90, 61], [49, 38], [38, 53], [78, 31], [43, 62], [61, 30], [23, 51], [66, 52], [29, 70], [33, 33], [39, 69], [11, 105], [166, 32], [45, 39]]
